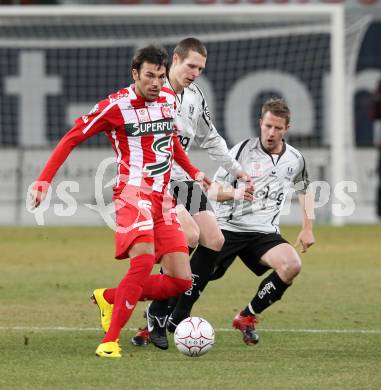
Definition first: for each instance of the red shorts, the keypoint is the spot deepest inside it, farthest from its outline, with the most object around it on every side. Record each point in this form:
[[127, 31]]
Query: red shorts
[[147, 217]]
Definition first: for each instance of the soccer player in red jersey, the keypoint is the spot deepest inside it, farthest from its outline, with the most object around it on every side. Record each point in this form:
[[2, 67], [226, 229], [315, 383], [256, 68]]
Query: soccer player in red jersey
[[139, 121]]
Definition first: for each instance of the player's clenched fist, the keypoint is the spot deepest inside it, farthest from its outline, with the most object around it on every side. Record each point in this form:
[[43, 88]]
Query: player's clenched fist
[[38, 193], [204, 181]]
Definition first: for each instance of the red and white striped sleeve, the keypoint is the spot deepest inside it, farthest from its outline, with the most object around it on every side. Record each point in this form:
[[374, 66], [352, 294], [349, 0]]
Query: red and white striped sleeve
[[104, 116]]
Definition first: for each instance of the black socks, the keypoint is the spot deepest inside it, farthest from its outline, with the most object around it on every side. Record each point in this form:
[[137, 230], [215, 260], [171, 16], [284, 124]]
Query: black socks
[[269, 291], [202, 263]]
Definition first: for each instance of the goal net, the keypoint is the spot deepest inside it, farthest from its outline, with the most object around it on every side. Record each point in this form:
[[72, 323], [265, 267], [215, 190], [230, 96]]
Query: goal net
[[57, 62]]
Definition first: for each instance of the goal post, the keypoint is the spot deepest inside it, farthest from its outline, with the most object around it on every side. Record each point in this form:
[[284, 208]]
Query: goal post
[[57, 61], [337, 132]]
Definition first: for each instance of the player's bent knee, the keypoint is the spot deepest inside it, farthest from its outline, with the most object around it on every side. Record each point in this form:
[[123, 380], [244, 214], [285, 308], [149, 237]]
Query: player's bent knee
[[193, 236], [220, 242], [215, 242], [293, 267]]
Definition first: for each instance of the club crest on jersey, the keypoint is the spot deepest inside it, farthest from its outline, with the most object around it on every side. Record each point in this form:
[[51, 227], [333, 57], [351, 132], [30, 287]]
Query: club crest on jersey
[[256, 169], [142, 114], [167, 112], [290, 171], [191, 110]]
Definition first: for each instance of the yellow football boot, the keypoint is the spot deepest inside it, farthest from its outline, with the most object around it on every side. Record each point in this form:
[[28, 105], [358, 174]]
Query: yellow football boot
[[110, 349], [105, 308]]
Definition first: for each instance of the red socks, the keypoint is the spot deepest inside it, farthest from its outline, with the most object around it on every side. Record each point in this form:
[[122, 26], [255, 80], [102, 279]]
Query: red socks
[[109, 295], [157, 287], [127, 294]]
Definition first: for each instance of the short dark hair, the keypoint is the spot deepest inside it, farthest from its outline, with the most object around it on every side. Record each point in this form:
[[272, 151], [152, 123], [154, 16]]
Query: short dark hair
[[152, 54], [183, 48], [277, 107]]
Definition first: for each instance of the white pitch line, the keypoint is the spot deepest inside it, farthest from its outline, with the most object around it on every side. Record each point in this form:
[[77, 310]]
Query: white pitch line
[[364, 331], [78, 329]]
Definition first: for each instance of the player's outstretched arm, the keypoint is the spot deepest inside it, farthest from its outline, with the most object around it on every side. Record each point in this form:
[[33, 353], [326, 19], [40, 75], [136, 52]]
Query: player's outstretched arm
[[203, 180], [105, 117], [306, 236], [208, 138], [224, 192]]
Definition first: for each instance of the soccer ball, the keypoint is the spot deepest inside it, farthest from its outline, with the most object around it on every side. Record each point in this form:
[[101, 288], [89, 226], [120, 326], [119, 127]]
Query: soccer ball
[[194, 336]]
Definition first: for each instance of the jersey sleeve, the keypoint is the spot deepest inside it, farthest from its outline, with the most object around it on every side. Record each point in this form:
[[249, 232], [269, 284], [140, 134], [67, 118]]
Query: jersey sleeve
[[208, 138], [102, 117], [224, 176], [182, 159], [301, 180]]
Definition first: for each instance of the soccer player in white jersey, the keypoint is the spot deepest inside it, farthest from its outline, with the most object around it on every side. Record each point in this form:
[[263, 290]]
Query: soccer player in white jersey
[[139, 122], [194, 210], [251, 225]]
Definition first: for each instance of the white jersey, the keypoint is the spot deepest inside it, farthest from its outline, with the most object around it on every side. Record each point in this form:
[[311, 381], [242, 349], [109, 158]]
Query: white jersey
[[194, 124], [273, 176]]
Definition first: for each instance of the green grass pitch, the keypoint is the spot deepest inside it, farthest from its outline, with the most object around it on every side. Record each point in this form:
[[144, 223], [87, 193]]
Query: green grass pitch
[[324, 334]]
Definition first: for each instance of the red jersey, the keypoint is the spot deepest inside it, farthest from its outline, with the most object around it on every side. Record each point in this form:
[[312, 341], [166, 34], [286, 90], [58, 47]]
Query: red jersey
[[141, 132]]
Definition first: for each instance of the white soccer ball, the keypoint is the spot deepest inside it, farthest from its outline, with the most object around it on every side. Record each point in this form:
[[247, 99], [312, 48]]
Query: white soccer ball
[[194, 336]]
